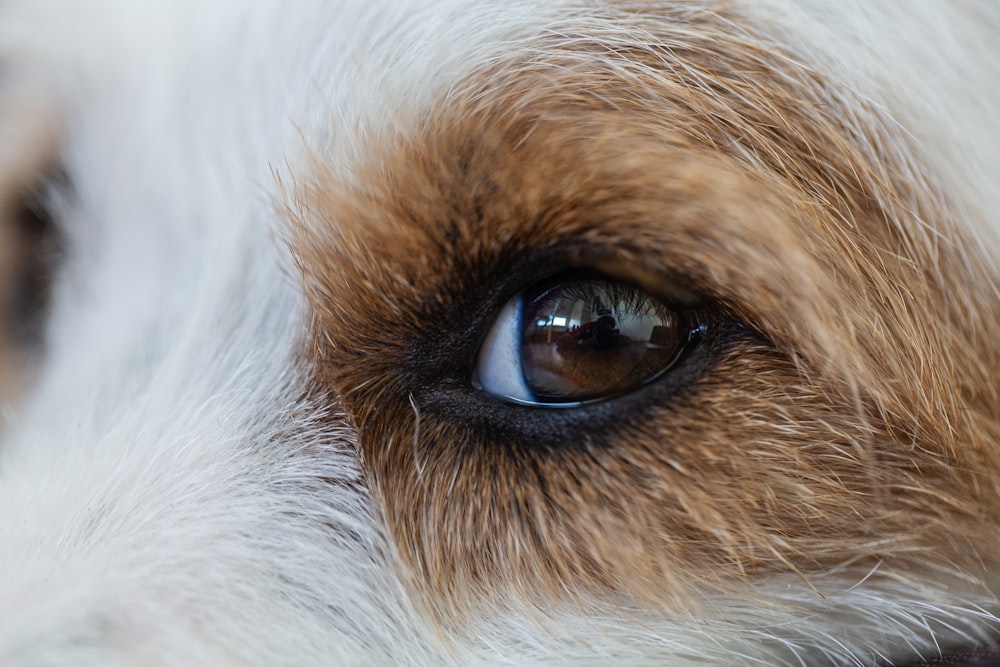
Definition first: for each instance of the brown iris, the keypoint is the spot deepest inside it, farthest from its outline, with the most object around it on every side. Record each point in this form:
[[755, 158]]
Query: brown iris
[[571, 340]]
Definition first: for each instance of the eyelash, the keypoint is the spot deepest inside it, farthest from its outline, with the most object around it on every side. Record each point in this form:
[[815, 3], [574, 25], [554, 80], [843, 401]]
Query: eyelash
[[622, 294]]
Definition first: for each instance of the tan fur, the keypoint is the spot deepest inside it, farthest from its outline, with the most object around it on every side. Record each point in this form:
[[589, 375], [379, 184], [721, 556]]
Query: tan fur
[[860, 424]]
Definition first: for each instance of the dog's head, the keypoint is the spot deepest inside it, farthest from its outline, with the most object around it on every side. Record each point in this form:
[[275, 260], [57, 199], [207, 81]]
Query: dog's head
[[496, 333]]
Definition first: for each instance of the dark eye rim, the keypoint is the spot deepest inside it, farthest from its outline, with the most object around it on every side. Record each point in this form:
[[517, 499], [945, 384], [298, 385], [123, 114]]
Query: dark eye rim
[[437, 376]]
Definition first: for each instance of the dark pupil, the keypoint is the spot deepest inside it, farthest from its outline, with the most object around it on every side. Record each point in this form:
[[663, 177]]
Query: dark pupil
[[589, 339]]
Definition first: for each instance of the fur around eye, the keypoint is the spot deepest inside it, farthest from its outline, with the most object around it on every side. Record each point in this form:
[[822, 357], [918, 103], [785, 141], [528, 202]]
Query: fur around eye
[[571, 340], [496, 332]]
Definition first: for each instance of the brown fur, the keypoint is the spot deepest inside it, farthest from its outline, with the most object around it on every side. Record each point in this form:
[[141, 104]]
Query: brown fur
[[860, 422]]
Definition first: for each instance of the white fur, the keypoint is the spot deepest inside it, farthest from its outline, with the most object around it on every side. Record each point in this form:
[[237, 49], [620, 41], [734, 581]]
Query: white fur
[[161, 500]]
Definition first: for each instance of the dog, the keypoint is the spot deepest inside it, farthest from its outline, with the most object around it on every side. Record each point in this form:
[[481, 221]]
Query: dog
[[426, 332]]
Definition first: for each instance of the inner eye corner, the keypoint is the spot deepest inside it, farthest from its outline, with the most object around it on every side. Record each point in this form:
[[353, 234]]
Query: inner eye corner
[[581, 336]]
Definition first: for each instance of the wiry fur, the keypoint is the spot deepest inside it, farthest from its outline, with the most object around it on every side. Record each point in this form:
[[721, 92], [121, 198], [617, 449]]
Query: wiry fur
[[285, 227]]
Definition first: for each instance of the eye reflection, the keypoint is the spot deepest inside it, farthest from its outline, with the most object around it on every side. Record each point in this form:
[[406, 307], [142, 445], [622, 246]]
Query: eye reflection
[[572, 340], [589, 339]]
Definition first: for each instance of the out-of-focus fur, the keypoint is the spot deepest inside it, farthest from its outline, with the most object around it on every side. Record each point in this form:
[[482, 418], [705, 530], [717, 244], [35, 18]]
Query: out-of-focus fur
[[238, 439]]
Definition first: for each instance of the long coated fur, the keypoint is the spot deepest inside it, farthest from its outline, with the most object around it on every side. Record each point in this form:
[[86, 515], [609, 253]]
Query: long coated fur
[[252, 253]]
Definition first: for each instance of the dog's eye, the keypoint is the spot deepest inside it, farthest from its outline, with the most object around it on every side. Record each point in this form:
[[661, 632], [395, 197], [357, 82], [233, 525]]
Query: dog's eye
[[30, 247], [571, 340]]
